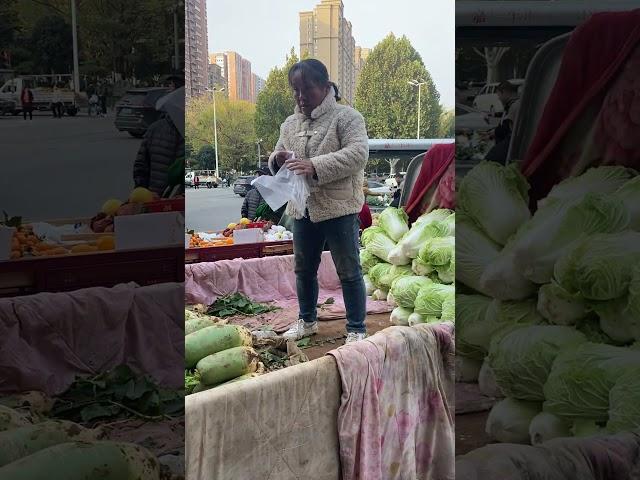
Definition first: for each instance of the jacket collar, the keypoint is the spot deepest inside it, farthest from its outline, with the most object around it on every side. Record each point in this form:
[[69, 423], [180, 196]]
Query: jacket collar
[[328, 104]]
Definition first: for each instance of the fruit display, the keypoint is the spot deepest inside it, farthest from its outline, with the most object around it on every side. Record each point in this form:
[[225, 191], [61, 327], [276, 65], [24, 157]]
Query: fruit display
[[245, 223], [198, 241]]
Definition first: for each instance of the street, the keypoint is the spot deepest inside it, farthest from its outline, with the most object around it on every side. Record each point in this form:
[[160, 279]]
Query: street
[[211, 209], [63, 168]]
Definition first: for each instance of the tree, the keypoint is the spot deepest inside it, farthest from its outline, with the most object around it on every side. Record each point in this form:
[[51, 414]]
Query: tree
[[492, 57], [236, 133], [49, 45], [206, 158], [447, 124], [385, 98], [275, 103]]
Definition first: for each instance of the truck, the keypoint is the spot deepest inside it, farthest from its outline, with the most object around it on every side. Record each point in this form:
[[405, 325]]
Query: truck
[[206, 178], [42, 88]]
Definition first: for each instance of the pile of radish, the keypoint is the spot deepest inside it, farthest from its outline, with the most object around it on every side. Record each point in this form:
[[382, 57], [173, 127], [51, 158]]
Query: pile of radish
[[63, 450], [219, 353]]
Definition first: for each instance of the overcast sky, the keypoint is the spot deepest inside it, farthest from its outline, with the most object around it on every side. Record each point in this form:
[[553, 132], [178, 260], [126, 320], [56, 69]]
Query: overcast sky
[[263, 31]]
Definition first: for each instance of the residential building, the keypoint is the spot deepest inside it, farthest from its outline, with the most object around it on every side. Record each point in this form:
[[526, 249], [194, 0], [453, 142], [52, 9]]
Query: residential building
[[196, 62], [327, 35], [361, 55], [257, 85], [236, 72], [216, 79]]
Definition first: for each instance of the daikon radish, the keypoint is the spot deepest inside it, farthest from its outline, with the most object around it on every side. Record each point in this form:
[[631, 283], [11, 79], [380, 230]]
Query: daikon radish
[[227, 365], [214, 339]]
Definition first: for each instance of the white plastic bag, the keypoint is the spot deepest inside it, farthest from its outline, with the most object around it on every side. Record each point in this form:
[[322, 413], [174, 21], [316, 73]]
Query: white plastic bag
[[284, 187]]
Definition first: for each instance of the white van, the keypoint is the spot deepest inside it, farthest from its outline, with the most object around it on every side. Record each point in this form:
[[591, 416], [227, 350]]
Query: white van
[[488, 101]]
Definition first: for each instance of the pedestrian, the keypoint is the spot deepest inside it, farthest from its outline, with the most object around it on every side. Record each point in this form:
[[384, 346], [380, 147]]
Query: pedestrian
[[162, 146], [196, 182], [26, 101], [330, 144], [94, 104], [398, 191], [508, 95], [56, 102], [102, 96], [253, 199]]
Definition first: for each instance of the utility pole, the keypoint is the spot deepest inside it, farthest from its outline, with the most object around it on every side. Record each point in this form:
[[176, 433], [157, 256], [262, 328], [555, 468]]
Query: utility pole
[[418, 84], [76, 69], [258, 142]]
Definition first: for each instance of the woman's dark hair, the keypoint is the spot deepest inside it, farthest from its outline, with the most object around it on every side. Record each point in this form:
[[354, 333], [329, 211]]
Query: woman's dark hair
[[313, 71]]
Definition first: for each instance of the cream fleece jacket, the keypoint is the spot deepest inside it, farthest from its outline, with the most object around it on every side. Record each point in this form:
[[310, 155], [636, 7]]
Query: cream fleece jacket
[[335, 140]]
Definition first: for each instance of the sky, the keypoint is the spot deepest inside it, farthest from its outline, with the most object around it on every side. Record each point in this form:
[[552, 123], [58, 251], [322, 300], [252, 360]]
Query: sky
[[263, 31]]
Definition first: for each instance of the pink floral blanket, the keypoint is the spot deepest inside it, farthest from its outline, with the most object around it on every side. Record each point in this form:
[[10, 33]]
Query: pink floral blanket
[[396, 419]]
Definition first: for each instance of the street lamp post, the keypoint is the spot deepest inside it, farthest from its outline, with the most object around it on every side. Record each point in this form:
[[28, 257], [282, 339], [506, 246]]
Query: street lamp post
[[76, 70], [215, 126], [258, 143], [418, 84]]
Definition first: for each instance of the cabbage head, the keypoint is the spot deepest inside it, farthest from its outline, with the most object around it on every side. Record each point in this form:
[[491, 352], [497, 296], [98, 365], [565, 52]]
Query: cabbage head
[[509, 420], [387, 279], [394, 221], [496, 197], [397, 257], [467, 369], [400, 316], [380, 245], [449, 309], [474, 252], [629, 193], [368, 285], [521, 360], [437, 251], [406, 288], [624, 403], [546, 426], [378, 271], [619, 320], [415, 319], [581, 379], [555, 230], [431, 297], [559, 306], [368, 260], [601, 267], [369, 232], [436, 215], [420, 268]]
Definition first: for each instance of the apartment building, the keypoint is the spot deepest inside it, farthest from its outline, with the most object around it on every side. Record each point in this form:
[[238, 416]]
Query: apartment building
[[216, 79], [257, 85], [327, 35], [196, 57], [237, 74]]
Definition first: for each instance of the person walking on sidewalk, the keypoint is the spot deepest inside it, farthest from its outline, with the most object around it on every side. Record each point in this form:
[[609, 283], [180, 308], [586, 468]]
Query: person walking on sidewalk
[[56, 102], [26, 101], [330, 144]]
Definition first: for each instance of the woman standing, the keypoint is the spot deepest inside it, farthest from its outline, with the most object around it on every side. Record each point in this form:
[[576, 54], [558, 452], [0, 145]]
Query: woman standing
[[26, 100], [327, 142]]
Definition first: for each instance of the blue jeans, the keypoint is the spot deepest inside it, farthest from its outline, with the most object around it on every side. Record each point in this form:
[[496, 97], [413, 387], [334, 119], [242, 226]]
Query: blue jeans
[[341, 235]]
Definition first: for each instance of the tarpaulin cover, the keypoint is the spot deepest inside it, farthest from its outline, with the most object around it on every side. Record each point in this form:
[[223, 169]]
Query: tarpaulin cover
[[396, 416], [47, 339], [594, 458], [268, 279], [392, 394]]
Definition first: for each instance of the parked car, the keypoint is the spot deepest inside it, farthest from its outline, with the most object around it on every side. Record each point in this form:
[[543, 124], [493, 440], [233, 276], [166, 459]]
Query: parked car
[[378, 187], [137, 110], [242, 185], [487, 100], [7, 106], [468, 118]]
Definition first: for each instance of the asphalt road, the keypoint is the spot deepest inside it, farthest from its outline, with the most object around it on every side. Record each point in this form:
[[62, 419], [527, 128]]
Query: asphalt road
[[211, 209], [63, 168]]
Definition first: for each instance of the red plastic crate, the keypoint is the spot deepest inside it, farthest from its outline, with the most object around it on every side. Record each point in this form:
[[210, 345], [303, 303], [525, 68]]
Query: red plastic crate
[[172, 205], [230, 252]]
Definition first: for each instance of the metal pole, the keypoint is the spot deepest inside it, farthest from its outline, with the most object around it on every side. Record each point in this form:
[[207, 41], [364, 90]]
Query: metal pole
[[176, 52], [215, 132], [258, 154], [419, 90], [76, 69]]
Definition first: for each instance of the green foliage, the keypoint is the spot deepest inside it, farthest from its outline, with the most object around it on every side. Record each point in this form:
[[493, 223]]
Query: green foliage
[[275, 103], [236, 304], [236, 134], [385, 98], [118, 392], [447, 124], [206, 158], [50, 44]]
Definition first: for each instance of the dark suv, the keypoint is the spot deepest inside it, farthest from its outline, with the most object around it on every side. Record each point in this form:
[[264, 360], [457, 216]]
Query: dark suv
[[242, 185], [137, 110]]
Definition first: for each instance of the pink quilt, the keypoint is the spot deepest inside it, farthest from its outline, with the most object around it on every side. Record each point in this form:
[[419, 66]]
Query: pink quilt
[[47, 339], [396, 419], [265, 280]]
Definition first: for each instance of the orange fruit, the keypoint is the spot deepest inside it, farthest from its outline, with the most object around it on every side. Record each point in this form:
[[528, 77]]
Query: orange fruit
[[105, 243]]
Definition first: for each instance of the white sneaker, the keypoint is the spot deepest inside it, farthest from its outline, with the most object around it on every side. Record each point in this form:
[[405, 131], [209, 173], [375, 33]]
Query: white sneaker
[[354, 337], [300, 330]]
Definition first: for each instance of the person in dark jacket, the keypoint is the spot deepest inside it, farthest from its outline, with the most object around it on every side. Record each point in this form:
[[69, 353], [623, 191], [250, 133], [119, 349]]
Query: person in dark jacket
[[26, 100], [161, 145], [253, 199], [398, 192]]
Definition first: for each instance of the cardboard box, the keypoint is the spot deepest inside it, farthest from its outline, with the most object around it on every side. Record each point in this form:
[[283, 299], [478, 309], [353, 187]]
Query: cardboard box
[[248, 235], [149, 230], [6, 235]]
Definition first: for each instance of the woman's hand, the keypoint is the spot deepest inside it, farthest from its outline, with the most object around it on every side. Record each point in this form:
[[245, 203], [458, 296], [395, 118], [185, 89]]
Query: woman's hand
[[282, 157], [301, 167]]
